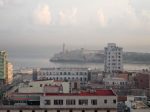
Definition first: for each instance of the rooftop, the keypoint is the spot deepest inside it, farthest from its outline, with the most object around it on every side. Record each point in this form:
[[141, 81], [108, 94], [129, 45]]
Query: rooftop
[[64, 69], [87, 93]]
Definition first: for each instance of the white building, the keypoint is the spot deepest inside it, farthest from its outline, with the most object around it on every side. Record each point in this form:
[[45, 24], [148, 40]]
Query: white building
[[70, 74], [91, 101], [115, 82], [113, 58]]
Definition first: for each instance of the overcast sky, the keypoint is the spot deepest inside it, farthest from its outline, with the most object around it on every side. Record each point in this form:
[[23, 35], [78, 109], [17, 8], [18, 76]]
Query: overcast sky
[[94, 23]]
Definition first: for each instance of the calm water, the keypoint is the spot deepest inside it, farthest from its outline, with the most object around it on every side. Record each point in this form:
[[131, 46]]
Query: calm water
[[39, 62], [39, 57]]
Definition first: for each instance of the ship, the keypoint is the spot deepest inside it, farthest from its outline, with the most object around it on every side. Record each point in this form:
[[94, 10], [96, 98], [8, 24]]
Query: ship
[[78, 55]]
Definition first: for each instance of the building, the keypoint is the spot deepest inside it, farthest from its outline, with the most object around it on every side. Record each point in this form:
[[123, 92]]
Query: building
[[113, 58], [64, 74], [142, 80], [142, 83], [3, 67], [42, 86], [100, 100], [115, 82], [87, 101], [9, 74]]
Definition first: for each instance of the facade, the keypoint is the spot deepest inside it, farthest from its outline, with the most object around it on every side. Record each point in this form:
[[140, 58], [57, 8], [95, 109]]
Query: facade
[[43, 86], [113, 58], [115, 82], [84, 101], [96, 101], [142, 80], [9, 73], [3, 67], [70, 74]]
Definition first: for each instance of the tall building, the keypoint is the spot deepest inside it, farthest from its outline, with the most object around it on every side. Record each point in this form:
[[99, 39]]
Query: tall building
[[113, 58], [9, 74], [3, 67]]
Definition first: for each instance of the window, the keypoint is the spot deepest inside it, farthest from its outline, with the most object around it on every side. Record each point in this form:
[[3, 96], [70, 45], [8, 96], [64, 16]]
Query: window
[[41, 85], [47, 102], [58, 102], [114, 101], [94, 102], [70, 110], [83, 102], [70, 102], [105, 101]]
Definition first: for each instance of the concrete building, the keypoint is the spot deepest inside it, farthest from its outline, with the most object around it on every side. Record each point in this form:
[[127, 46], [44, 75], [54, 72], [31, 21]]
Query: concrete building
[[93, 101], [113, 58], [84, 101], [64, 74], [115, 82], [142, 80], [9, 74], [3, 67], [43, 86]]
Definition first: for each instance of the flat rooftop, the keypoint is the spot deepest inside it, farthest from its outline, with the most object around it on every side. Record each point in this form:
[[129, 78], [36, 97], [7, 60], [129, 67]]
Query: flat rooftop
[[66, 69], [85, 93]]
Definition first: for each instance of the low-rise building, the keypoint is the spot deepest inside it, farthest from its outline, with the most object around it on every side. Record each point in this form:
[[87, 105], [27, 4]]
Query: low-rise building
[[70, 74], [97, 101], [115, 82], [38, 86]]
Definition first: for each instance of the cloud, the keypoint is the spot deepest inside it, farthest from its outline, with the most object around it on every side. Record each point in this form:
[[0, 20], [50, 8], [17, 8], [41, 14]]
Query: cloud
[[102, 18], [43, 15], [146, 16], [3, 3], [68, 17]]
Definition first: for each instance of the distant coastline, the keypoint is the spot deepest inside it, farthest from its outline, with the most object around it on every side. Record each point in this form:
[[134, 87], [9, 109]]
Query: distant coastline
[[88, 56]]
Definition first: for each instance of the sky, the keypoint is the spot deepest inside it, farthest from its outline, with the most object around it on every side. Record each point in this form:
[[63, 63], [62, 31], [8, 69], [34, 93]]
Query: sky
[[91, 24]]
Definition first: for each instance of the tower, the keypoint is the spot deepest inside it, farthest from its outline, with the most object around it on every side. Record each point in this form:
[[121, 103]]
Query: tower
[[3, 67], [113, 58]]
